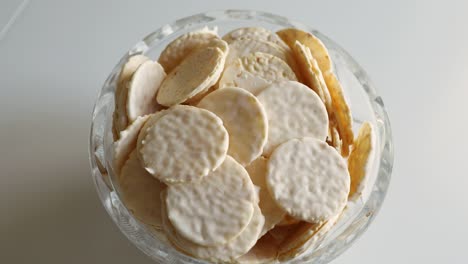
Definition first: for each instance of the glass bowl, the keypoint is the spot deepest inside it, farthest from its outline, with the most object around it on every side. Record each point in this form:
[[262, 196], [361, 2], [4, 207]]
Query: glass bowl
[[364, 102]]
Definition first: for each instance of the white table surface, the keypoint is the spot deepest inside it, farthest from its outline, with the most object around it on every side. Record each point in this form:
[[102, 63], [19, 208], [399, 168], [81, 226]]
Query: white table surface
[[55, 56]]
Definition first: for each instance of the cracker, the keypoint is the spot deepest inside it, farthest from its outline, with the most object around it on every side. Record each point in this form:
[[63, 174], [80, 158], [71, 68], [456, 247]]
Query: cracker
[[243, 47], [341, 112], [293, 111], [183, 46], [142, 89], [268, 67], [235, 75], [195, 75], [298, 237], [318, 49], [185, 144], [257, 33], [120, 120], [307, 237], [264, 251], [214, 210], [126, 143], [228, 252], [311, 73], [141, 192], [244, 119], [271, 211], [359, 158], [308, 179]]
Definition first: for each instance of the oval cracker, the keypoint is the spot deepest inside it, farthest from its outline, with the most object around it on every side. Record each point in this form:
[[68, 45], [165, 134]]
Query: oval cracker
[[186, 143], [308, 179], [293, 111], [141, 192], [245, 121], [195, 75]]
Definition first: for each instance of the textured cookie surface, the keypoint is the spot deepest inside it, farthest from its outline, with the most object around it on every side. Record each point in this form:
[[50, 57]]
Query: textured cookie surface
[[235, 75], [293, 111], [308, 179], [142, 89], [127, 143], [257, 33], [244, 119], [272, 212], [196, 74], [359, 158], [141, 192], [220, 253], [261, 65], [181, 47], [214, 210], [120, 121], [243, 47], [186, 143]]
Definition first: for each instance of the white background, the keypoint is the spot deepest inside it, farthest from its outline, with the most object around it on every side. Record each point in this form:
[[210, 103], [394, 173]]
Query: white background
[[56, 55]]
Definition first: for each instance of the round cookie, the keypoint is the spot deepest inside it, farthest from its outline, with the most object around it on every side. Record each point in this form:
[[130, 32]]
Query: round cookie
[[308, 179], [126, 143], [185, 144], [142, 89], [120, 120], [244, 119], [195, 75], [258, 33], [311, 73], [141, 192], [243, 47], [261, 65], [318, 49], [271, 211], [293, 111], [215, 209], [180, 48], [228, 252]]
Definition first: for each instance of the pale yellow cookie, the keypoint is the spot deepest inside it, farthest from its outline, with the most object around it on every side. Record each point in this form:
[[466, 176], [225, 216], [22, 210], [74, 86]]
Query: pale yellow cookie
[[215, 209], [311, 73], [127, 143], [142, 89], [262, 66], [308, 179], [141, 192], [359, 158], [235, 75], [244, 119], [181, 47], [272, 212], [293, 111], [307, 237], [316, 46], [341, 112], [195, 75], [228, 252], [120, 120], [243, 47], [185, 144], [253, 33]]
